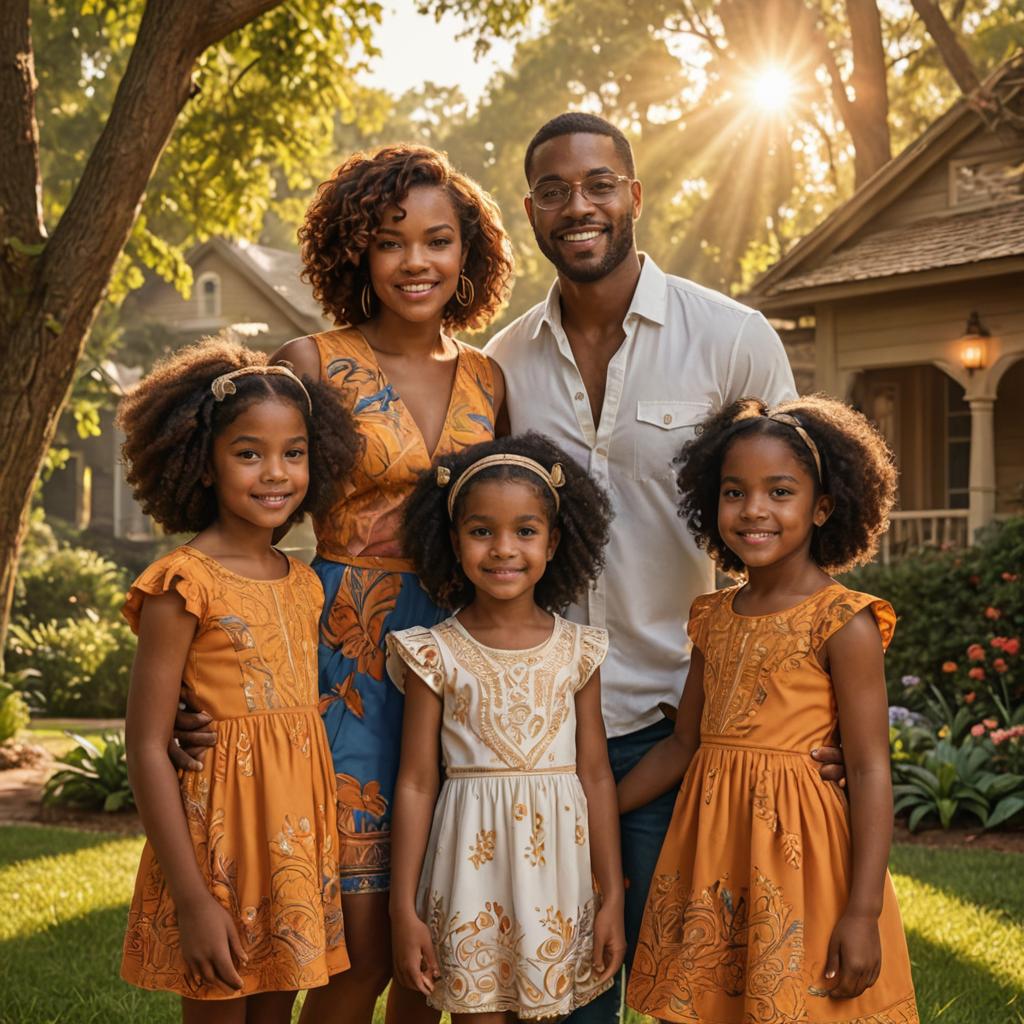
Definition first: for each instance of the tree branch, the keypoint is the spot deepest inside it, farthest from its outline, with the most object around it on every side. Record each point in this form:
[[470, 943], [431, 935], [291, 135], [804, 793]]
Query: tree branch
[[21, 209], [227, 16], [954, 56]]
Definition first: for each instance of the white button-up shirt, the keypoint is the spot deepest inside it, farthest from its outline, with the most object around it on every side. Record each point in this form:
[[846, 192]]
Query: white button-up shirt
[[687, 352]]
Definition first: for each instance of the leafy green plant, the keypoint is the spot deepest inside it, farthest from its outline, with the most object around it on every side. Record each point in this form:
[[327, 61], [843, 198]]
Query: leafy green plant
[[92, 778], [13, 711], [83, 664], [952, 781]]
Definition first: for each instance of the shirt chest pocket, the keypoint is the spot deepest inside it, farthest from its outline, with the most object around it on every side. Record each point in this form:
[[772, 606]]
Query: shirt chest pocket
[[660, 431]]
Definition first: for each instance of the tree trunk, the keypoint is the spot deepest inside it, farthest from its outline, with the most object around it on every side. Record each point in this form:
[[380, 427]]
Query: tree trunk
[[869, 125], [953, 54], [51, 294]]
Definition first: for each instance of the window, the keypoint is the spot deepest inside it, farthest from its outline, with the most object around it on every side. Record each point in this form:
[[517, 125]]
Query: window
[[985, 182], [208, 291], [958, 447]]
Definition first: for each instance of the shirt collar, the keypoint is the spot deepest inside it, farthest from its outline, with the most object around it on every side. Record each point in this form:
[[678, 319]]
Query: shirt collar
[[649, 298]]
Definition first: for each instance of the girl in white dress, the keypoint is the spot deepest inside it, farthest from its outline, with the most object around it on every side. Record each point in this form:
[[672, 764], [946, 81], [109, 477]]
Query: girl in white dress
[[506, 889]]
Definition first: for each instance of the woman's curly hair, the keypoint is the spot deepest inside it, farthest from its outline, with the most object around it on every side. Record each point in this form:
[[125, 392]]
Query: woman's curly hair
[[582, 518], [170, 419], [347, 211], [857, 471]]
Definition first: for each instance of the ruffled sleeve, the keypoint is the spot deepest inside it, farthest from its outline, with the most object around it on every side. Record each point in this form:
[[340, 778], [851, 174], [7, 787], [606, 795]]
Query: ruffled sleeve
[[417, 649], [697, 623], [593, 651], [842, 606], [177, 571]]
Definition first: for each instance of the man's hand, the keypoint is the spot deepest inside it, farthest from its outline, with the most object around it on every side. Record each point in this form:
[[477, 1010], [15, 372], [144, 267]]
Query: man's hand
[[830, 764], [191, 739]]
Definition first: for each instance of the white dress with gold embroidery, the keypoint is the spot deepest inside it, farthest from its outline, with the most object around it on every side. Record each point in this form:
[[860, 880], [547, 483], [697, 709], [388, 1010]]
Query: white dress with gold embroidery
[[506, 886]]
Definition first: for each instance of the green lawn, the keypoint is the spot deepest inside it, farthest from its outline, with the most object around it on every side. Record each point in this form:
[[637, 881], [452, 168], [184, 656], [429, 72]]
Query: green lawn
[[52, 733], [64, 894]]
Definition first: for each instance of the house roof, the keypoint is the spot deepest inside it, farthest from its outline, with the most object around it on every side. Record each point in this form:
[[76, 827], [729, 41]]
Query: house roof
[[946, 241], [819, 258]]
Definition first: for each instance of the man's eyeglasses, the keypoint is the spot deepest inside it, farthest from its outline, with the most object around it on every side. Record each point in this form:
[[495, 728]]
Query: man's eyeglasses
[[598, 189]]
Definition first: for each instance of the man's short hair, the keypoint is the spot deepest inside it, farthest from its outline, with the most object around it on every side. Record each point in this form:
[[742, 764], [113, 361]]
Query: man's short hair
[[574, 123]]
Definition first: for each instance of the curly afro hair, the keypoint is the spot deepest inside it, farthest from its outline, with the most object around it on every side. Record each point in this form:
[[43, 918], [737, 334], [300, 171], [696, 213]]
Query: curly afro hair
[[171, 418], [857, 469], [347, 210], [582, 518]]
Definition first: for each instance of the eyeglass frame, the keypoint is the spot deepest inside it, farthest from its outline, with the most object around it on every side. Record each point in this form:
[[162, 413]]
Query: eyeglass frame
[[575, 186]]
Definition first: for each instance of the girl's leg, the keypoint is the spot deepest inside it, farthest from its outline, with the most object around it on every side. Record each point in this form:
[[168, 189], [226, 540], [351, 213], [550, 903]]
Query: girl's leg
[[406, 1005], [269, 1008], [349, 997], [212, 1011], [484, 1018]]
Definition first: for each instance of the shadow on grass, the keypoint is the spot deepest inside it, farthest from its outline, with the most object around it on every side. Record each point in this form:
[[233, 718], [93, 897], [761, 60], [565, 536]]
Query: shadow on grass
[[69, 973], [21, 842], [985, 878], [953, 991]]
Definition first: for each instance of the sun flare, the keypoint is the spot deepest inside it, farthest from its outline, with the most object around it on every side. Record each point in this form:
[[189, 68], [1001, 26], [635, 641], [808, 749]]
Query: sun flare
[[772, 88]]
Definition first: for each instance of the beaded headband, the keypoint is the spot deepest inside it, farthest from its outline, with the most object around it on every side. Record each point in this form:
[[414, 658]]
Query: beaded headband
[[792, 421], [553, 480], [224, 385]]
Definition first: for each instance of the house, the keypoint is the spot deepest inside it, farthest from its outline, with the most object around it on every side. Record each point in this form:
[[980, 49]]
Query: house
[[251, 291], [915, 287]]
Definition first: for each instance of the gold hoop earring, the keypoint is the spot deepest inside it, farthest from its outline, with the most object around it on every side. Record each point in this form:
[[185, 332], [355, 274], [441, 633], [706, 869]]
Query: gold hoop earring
[[366, 301], [465, 293]]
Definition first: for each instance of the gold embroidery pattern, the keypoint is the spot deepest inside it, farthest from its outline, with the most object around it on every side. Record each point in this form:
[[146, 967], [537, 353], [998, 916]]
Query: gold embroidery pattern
[[535, 848], [709, 784], [482, 850], [460, 710], [581, 833], [243, 754], [523, 703]]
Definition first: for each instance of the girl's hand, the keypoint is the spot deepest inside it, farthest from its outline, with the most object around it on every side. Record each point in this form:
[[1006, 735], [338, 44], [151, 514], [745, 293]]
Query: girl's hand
[[415, 963], [609, 941], [854, 955], [210, 944]]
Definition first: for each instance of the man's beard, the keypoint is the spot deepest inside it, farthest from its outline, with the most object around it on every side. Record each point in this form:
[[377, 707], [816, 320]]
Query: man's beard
[[620, 244]]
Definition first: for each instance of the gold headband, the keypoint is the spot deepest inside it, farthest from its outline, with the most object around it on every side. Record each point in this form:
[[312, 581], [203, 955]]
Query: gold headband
[[224, 385], [553, 480], [792, 421]]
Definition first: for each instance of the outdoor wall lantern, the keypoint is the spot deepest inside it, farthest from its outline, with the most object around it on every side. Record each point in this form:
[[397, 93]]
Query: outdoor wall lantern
[[973, 345]]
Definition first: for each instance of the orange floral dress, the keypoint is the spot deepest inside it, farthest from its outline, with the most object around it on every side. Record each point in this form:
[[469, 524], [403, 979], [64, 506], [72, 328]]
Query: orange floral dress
[[755, 870], [261, 812]]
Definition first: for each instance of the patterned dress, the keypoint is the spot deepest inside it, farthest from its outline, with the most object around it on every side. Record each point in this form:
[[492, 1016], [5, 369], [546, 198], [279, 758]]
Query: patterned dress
[[371, 588], [261, 811], [506, 887], [755, 870]]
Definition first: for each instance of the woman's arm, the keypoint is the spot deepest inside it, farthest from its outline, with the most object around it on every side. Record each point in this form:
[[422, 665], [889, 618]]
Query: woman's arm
[[595, 774], [209, 942], [856, 662], [413, 813], [303, 356], [663, 766]]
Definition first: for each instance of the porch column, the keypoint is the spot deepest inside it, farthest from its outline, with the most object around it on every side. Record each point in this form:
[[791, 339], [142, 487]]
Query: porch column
[[982, 480]]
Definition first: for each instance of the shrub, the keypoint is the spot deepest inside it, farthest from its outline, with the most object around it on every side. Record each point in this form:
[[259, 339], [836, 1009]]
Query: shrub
[[13, 711], [92, 779], [948, 601], [84, 664]]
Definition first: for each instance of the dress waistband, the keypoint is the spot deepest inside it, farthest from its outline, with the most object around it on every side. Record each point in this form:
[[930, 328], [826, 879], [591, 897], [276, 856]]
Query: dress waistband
[[387, 564], [754, 748], [477, 772]]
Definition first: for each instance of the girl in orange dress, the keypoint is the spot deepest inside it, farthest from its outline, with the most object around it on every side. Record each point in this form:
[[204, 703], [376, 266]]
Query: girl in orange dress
[[237, 896], [771, 901]]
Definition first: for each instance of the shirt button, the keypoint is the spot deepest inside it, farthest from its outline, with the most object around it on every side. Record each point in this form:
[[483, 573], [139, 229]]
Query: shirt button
[[667, 418], [580, 396], [603, 452]]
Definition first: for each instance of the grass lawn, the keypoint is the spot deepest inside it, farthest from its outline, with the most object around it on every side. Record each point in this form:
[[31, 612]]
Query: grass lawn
[[64, 894], [51, 733]]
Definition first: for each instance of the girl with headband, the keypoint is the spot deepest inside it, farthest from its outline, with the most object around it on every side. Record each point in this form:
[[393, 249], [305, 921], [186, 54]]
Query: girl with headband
[[771, 900], [237, 904], [401, 251], [507, 890]]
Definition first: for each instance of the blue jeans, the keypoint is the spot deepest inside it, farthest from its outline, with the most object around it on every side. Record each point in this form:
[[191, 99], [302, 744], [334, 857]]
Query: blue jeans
[[642, 833]]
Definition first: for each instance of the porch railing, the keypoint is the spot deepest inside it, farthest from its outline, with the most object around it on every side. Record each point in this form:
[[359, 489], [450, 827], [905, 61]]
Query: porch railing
[[923, 528]]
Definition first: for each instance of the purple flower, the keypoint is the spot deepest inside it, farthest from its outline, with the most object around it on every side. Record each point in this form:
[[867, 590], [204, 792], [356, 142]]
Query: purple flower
[[909, 682], [898, 715]]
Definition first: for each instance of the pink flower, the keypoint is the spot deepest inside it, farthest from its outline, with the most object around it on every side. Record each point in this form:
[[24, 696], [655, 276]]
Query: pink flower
[[977, 673], [970, 697], [978, 730], [976, 652], [999, 665], [992, 613], [949, 666], [1009, 577], [990, 723], [998, 642], [1012, 647]]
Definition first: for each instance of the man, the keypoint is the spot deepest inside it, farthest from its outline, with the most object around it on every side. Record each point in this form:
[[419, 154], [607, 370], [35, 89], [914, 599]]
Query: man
[[617, 366]]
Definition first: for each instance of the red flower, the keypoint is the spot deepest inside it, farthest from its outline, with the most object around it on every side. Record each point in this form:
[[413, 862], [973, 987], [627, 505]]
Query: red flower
[[990, 723], [992, 613], [999, 665], [949, 666], [974, 580], [977, 673], [976, 652], [969, 698], [978, 730], [1012, 647], [998, 642], [1009, 577]]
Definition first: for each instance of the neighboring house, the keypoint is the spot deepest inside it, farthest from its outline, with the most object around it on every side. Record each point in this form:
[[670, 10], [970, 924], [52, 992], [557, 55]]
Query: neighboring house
[[248, 290], [916, 289]]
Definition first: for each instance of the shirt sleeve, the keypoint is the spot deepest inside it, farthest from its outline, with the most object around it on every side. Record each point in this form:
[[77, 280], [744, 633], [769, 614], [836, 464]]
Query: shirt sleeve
[[172, 573], [417, 649], [759, 367]]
